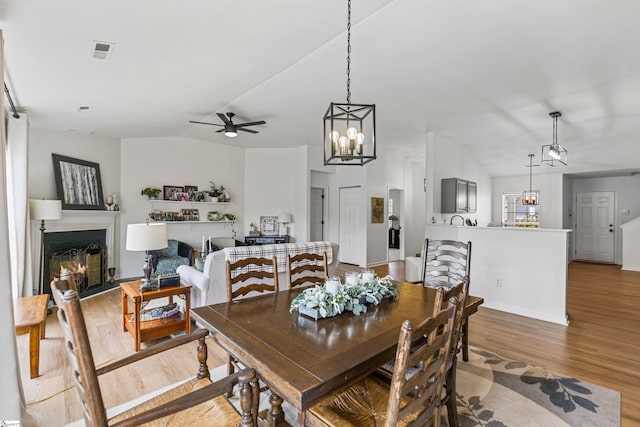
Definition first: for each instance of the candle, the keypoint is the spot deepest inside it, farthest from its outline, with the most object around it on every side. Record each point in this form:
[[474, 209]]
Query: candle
[[109, 200], [210, 247], [352, 277], [332, 286], [367, 276], [115, 198], [203, 243]]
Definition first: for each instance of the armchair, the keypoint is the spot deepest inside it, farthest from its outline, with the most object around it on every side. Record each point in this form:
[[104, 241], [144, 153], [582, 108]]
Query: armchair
[[166, 261]]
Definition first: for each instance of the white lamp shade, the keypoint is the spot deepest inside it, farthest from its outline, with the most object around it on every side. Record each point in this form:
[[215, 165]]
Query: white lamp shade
[[146, 237], [45, 209], [284, 218]]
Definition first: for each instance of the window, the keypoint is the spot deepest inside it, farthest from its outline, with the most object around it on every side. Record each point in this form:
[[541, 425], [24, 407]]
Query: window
[[515, 214]]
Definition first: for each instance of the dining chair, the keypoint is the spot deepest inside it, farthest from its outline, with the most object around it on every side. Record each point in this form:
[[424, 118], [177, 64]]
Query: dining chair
[[413, 397], [246, 276], [460, 293], [446, 263], [198, 401], [306, 269]]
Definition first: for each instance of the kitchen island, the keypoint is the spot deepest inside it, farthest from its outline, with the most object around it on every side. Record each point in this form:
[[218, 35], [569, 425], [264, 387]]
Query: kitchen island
[[518, 270]]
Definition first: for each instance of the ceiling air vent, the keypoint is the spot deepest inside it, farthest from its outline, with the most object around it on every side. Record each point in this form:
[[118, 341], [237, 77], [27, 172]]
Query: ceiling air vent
[[101, 50]]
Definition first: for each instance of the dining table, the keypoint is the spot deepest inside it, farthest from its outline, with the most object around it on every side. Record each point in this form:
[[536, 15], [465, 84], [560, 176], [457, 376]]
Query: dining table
[[303, 360]]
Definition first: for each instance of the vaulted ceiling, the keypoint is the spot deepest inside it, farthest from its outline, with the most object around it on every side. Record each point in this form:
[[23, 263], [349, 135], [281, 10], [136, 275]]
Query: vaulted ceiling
[[485, 74]]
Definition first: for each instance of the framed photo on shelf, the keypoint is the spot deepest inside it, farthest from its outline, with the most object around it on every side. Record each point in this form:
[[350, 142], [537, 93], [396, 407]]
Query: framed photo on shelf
[[192, 192], [190, 214], [172, 192], [269, 225], [78, 183]]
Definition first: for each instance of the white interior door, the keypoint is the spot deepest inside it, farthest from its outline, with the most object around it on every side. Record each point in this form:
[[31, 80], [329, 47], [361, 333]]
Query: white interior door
[[351, 225], [595, 229], [317, 215]]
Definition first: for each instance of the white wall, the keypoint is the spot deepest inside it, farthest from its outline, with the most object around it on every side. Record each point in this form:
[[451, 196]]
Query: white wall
[[452, 160], [276, 181], [155, 162], [626, 194], [551, 197], [530, 265]]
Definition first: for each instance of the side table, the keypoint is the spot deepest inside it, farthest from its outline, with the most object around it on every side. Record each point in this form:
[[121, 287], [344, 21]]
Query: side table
[[153, 329]]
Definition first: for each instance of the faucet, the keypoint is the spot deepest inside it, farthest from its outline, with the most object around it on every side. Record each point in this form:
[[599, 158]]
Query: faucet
[[454, 216]]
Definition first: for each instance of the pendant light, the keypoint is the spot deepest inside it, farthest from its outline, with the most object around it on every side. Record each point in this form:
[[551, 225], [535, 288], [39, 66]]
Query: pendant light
[[349, 129], [555, 154], [531, 197]]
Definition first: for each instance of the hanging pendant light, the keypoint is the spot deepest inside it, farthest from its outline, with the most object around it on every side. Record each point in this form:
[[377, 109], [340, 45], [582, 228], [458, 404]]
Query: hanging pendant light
[[531, 197], [349, 129], [555, 154]]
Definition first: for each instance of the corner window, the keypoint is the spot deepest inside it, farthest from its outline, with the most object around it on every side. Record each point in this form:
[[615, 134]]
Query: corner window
[[515, 214]]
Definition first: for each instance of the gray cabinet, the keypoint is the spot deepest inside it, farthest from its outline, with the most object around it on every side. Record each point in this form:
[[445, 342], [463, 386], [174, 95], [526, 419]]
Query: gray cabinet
[[458, 196]]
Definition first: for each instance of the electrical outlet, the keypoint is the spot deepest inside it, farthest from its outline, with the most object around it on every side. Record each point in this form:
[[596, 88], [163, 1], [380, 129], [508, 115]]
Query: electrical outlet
[[498, 283]]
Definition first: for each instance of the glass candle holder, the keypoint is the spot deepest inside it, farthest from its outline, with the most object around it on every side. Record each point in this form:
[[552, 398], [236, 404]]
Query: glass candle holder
[[332, 285], [368, 275], [352, 278]]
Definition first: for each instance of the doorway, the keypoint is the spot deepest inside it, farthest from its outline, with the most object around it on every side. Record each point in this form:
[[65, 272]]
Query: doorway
[[352, 225], [595, 231], [395, 240], [317, 222]]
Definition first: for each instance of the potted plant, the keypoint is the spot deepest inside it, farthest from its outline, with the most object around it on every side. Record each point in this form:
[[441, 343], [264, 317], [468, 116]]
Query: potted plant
[[215, 191], [151, 192]]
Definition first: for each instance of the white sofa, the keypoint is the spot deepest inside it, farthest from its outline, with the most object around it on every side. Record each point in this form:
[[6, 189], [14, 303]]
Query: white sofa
[[210, 285]]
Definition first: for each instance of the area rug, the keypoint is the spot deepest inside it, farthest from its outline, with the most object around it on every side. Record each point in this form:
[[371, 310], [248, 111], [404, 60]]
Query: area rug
[[494, 391]]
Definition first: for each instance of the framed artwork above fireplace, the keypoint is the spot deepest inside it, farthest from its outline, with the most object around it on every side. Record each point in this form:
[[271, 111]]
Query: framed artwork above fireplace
[[78, 183]]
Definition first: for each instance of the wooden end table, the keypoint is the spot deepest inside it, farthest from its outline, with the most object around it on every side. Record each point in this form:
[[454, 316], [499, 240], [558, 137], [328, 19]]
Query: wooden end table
[[31, 316], [153, 329]]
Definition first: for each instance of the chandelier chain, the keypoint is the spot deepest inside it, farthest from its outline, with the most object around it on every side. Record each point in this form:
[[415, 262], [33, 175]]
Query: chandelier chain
[[349, 52]]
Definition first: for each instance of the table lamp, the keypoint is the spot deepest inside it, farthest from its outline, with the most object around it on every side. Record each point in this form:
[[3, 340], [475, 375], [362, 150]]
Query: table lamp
[[43, 210], [284, 219], [146, 237]]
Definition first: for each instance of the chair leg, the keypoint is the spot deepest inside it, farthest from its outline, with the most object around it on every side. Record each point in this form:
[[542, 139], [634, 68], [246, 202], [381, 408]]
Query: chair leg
[[450, 388], [230, 370], [203, 370], [465, 340]]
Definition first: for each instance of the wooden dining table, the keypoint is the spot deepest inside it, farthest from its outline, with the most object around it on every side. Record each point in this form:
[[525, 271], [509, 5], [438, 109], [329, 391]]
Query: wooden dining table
[[303, 360]]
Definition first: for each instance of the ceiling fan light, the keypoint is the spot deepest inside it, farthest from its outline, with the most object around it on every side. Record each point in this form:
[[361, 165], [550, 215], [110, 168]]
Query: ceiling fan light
[[230, 133]]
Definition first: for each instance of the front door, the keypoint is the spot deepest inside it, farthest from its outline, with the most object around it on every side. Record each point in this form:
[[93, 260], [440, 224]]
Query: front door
[[317, 215], [595, 230]]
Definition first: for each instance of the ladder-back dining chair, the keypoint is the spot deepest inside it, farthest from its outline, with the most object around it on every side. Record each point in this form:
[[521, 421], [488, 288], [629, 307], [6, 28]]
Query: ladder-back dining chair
[[247, 276], [413, 397], [306, 269], [195, 402]]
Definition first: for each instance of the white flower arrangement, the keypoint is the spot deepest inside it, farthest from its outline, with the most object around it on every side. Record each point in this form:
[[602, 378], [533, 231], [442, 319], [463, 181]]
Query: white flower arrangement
[[352, 297]]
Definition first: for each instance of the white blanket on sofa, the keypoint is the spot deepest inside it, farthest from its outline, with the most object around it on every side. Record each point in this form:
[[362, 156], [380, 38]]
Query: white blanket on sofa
[[281, 251]]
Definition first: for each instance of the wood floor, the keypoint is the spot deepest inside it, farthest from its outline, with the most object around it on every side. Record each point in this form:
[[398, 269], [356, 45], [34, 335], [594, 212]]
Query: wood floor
[[601, 345]]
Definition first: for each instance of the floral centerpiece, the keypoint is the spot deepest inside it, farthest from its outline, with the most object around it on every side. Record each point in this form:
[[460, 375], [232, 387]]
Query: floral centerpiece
[[334, 298]]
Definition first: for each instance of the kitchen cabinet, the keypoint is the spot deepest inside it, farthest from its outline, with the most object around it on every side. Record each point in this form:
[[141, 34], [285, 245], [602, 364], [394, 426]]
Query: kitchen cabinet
[[458, 196]]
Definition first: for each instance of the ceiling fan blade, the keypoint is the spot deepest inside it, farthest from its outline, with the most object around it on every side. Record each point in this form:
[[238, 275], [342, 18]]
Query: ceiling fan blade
[[261, 122], [224, 118], [221, 130], [205, 123], [247, 130]]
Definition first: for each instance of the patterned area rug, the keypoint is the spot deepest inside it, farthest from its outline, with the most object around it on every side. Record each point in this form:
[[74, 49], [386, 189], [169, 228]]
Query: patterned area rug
[[495, 392]]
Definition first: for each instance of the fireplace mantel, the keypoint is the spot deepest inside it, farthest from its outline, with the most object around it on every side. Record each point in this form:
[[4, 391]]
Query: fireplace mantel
[[75, 220]]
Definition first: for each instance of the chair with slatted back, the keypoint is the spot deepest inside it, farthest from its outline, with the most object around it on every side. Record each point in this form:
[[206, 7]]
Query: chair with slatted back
[[306, 269], [459, 292], [413, 397], [445, 262], [195, 402], [247, 277]]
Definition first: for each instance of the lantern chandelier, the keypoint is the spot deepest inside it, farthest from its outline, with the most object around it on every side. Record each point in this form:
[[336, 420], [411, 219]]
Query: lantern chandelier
[[531, 197], [349, 129], [555, 154]]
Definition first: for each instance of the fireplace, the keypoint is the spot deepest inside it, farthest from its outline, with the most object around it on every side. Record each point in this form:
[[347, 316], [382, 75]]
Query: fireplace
[[81, 254], [81, 243]]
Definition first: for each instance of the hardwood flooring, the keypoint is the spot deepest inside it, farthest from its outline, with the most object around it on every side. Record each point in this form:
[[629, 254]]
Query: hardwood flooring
[[601, 345]]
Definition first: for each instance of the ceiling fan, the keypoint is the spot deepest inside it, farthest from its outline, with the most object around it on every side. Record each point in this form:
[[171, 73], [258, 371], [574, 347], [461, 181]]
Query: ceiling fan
[[229, 128]]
